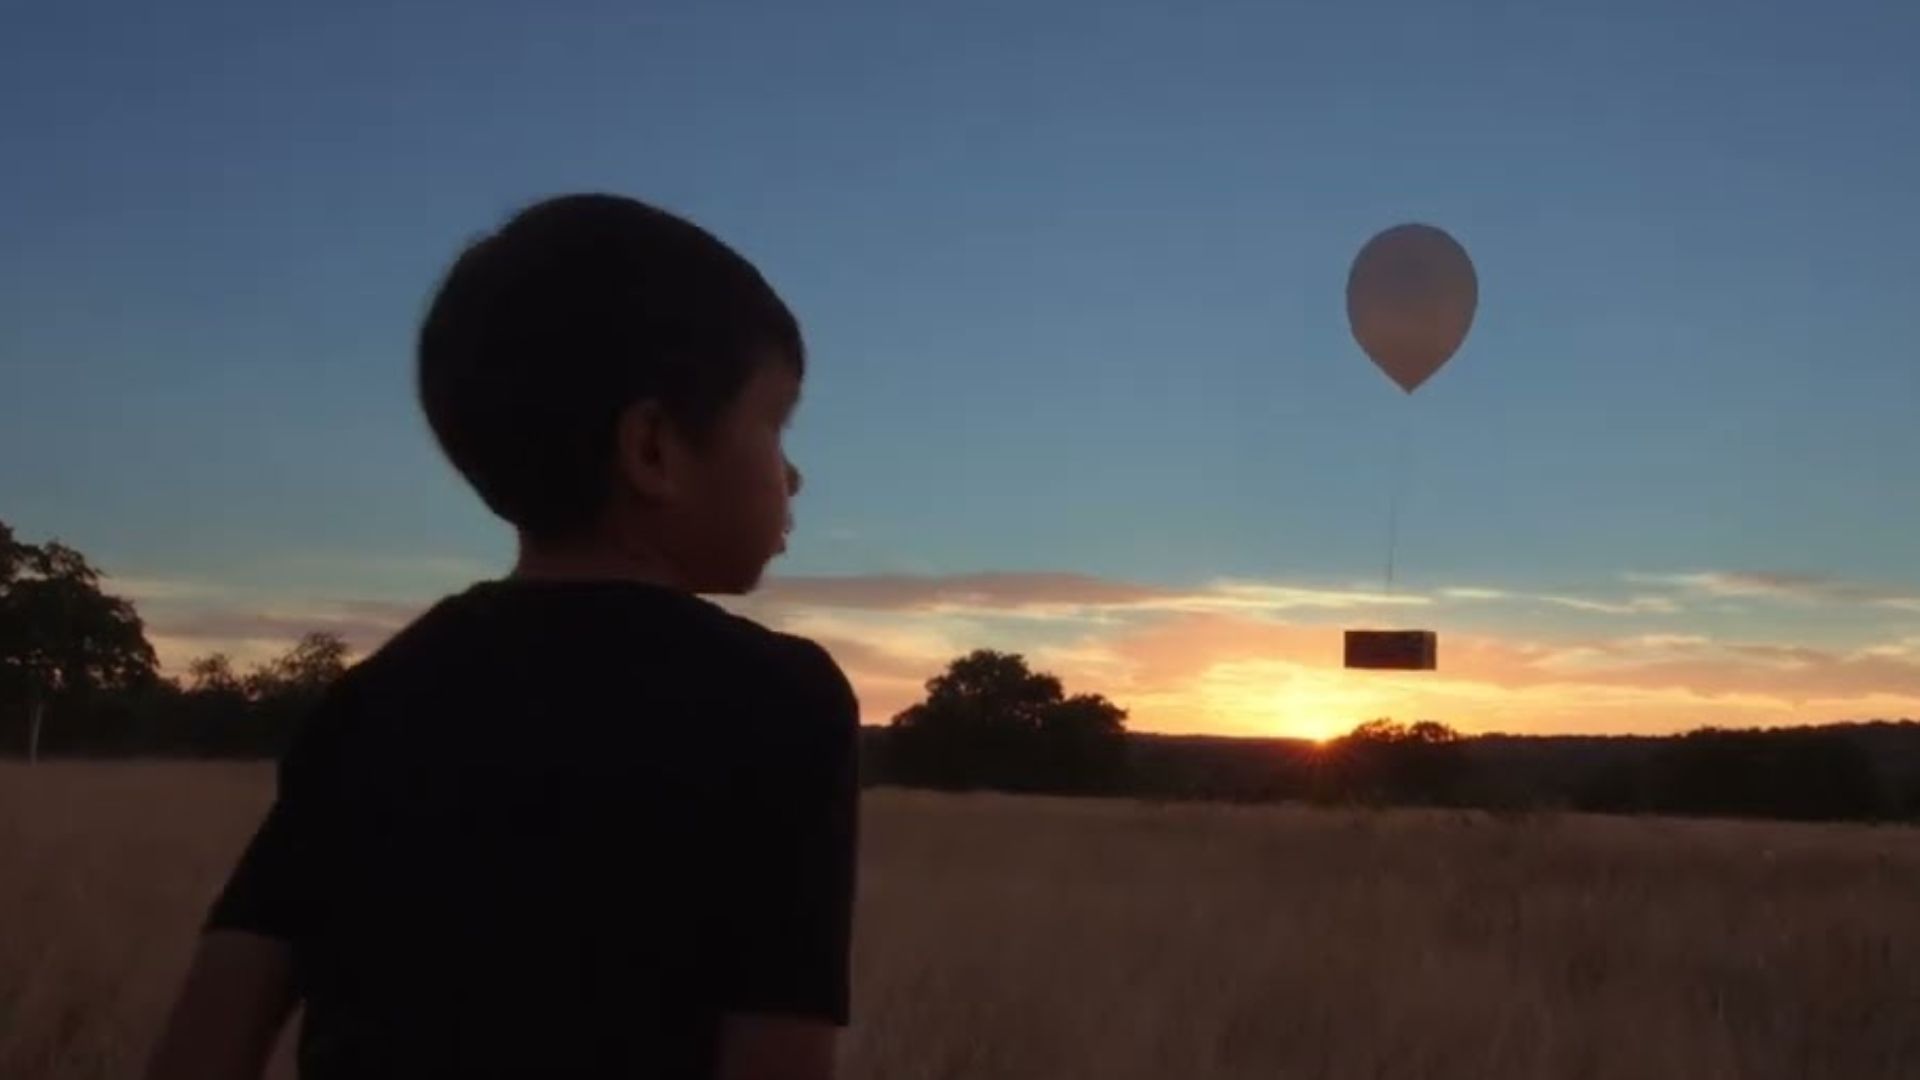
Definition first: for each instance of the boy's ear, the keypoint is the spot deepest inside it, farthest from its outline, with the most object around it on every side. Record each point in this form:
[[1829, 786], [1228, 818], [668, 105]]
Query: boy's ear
[[647, 450]]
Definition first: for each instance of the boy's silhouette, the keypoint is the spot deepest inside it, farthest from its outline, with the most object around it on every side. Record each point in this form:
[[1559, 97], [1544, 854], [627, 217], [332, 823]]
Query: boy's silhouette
[[578, 822]]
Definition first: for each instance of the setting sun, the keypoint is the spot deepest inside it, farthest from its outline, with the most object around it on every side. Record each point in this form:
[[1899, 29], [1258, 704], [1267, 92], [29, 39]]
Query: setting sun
[[1287, 698]]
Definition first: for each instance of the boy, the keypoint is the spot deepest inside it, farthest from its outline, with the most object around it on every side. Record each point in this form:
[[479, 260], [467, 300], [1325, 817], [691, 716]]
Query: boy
[[578, 822]]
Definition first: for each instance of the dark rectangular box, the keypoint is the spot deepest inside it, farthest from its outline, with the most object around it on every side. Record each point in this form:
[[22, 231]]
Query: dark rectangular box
[[1393, 650]]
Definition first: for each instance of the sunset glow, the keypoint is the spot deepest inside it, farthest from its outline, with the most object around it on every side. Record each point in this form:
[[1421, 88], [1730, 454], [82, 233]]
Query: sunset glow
[[1263, 659]]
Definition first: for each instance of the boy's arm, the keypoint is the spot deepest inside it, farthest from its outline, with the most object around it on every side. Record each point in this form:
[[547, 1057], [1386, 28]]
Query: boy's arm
[[790, 907], [240, 987], [763, 1047], [237, 996]]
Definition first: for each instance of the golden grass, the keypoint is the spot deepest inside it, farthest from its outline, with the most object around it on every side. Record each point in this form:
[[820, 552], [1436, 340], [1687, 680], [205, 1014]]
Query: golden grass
[[1009, 937]]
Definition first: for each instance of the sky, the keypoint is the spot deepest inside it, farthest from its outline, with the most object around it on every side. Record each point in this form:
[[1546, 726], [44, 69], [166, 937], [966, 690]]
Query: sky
[[1081, 383]]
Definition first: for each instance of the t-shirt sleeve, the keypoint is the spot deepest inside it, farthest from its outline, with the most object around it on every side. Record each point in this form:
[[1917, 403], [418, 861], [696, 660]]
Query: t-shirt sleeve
[[788, 898], [269, 889], [260, 895]]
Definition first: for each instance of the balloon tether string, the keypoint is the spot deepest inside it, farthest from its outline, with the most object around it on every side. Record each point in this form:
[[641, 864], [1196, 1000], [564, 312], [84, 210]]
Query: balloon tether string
[[1402, 466]]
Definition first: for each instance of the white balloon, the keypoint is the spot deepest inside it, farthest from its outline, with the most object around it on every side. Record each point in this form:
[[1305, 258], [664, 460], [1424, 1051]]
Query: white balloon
[[1411, 296]]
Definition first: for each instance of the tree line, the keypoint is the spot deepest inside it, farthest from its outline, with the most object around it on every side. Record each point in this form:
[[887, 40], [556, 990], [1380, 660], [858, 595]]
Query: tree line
[[1842, 772], [991, 723], [78, 677]]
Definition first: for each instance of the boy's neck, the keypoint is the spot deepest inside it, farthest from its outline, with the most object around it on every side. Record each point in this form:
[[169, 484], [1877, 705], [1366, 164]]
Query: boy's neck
[[593, 562]]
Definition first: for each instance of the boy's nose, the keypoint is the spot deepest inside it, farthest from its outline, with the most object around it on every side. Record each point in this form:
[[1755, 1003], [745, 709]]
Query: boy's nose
[[794, 479]]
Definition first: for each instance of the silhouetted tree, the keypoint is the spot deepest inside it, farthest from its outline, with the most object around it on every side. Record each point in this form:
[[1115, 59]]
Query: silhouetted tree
[[1082, 744], [303, 671], [63, 640], [212, 713], [991, 721], [214, 674], [279, 694], [1802, 774], [1385, 761]]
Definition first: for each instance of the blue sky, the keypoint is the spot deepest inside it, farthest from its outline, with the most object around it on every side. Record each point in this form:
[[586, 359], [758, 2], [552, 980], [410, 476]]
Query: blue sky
[[1071, 275]]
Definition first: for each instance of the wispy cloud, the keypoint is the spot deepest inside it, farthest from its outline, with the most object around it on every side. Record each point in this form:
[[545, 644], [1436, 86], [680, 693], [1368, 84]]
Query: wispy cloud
[[415, 571], [1907, 648], [922, 592], [1633, 605], [1741, 583], [1800, 588], [363, 624], [187, 618], [1246, 656], [252, 636], [1470, 593], [1228, 595], [1062, 595], [1232, 671], [144, 590], [1629, 605]]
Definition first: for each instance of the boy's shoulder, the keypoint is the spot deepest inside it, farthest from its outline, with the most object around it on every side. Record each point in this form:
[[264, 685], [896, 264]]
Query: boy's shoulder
[[792, 664], [688, 633], [783, 692]]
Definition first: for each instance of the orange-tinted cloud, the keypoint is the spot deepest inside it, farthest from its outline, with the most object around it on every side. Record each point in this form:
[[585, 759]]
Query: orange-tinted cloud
[[189, 619], [902, 592], [1245, 657], [1219, 659], [1058, 595]]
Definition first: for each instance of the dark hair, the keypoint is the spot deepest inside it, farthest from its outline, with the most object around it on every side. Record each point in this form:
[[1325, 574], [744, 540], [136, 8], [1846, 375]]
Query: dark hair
[[543, 332]]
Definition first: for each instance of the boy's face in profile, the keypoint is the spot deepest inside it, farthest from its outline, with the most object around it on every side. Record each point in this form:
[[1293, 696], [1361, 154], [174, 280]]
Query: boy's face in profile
[[727, 512]]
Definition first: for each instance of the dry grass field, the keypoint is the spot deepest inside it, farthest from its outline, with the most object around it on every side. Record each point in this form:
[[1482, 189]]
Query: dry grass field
[[1004, 937]]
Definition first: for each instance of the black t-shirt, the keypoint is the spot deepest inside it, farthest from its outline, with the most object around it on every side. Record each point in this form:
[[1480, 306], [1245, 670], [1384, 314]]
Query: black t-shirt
[[560, 829]]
